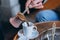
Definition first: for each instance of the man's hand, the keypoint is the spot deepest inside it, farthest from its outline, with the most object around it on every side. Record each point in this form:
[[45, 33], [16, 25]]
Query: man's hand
[[37, 4]]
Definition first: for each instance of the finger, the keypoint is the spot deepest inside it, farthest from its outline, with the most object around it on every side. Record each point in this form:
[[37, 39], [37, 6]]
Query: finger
[[39, 7], [33, 6], [30, 6], [28, 2], [37, 1]]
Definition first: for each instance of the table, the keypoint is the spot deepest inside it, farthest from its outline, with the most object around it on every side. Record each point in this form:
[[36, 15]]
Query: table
[[41, 26]]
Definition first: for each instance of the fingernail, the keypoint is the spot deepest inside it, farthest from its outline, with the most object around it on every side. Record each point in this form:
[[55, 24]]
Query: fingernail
[[30, 6]]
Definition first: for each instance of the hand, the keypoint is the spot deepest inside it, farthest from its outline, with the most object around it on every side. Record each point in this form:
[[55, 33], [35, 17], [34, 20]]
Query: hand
[[34, 4]]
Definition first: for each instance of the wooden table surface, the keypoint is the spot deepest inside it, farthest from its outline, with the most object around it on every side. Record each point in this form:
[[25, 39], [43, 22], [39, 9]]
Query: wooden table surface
[[43, 26]]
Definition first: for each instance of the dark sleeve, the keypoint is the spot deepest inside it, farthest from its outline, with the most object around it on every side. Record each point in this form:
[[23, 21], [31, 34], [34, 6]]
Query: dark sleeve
[[1, 32], [22, 3], [57, 9], [1, 35]]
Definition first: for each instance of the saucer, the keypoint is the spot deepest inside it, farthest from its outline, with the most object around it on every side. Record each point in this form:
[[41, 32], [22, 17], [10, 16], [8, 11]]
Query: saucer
[[22, 38], [35, 34]]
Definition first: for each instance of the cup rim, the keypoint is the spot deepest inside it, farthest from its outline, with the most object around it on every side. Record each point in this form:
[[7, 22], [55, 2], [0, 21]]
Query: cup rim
[[19, 33]]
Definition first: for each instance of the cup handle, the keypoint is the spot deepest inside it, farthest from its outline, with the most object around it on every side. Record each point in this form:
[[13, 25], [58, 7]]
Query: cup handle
[[35, 27]]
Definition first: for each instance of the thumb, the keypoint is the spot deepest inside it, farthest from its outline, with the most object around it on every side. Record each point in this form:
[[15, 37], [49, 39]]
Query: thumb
[[28, 2]]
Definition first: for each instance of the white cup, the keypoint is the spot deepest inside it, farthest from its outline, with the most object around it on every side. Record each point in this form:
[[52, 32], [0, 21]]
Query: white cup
[[27, 30]]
